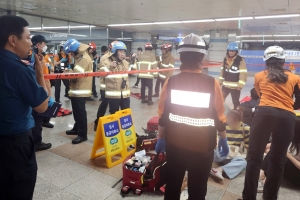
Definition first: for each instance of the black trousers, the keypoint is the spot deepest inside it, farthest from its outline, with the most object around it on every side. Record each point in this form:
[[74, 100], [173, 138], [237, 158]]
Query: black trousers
[[58, 86], [281, 124], [46, 120], [159, 84], [18, 168], [235, 95], [80, 116], [116, 104], [38, 128], [146, 82], [94, 91], [198, 166], [102, 107], [291, 172], [137, 81]]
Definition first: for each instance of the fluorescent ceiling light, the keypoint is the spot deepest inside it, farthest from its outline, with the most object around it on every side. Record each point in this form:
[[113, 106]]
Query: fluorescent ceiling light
[[237, 41], [118, 25], [206, 36], [285, 35], [195, 21], [265, 40], [240, 36], [235, 18], [249, 40], [170, 22], [123, 38], [58, 27], [276, 16], [140, 24], [260, 35], [284, 40]]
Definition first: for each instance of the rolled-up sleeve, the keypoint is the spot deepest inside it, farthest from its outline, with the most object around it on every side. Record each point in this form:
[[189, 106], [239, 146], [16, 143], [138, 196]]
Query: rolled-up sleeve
[[30, 91]]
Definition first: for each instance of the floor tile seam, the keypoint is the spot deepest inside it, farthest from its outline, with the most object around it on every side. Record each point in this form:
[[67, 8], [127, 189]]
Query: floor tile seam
[[77, 181]]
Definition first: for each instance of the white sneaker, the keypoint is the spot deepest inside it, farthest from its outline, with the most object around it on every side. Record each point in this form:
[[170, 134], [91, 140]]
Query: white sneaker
[[216, 174], [260, 187]]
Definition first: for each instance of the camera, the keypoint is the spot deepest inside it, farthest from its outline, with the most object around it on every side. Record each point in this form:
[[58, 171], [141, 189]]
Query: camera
[[123, 85], [35, 50]]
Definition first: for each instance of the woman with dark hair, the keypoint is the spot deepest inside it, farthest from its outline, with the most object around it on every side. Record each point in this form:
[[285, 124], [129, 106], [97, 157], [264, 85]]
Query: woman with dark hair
[[292, 164], [275, 115], [191, 112]]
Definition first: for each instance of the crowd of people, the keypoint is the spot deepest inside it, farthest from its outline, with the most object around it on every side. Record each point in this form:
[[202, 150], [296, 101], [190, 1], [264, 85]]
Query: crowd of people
[[193, 128]]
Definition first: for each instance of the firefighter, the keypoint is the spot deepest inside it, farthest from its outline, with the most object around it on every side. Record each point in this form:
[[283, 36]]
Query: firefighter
[[117, 89], [147, 61], [165, 61], [191, 112], [93, 52], [80, 88], [104, 61], [61, 63], [233, 74]]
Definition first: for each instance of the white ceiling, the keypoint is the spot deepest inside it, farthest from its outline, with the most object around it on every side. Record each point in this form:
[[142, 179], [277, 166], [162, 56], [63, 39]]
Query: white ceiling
[[104, 12]]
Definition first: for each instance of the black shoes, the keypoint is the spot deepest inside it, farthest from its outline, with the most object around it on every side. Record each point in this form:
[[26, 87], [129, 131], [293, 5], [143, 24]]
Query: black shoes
[[101, 99], [43, 146], [67, 96], [150, 103], [155, 95], [144, 101], [89, 99], [95, 96], [79, 139], [71, 132], [48, 125]]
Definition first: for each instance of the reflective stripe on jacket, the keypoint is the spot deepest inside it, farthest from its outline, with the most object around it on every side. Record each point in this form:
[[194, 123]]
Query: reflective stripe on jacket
[[146, 61], [113, 82], [82, 87], [164, 62]]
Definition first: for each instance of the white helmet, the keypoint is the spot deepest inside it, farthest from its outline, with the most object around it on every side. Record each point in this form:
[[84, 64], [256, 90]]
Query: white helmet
[[274, 52], [192, 43], [62, 43]]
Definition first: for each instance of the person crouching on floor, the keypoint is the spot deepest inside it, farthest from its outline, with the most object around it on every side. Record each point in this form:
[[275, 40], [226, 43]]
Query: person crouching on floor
[[238, 138]]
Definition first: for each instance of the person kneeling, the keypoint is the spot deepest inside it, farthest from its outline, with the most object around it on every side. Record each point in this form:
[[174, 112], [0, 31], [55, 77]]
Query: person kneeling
[[238, 138]]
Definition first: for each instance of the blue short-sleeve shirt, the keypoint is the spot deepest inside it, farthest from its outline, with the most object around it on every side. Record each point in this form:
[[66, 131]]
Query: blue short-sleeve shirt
[[19, 93]]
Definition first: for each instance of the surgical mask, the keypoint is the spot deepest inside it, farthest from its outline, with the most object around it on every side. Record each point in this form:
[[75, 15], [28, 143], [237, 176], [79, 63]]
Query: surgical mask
[[44, 49]]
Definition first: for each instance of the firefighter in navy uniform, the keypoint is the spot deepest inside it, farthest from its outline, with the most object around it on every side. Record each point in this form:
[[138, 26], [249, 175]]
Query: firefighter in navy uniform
[[147, 61], [61, 63], [80, 88], [164, 62], [233, 74], [191, 112]]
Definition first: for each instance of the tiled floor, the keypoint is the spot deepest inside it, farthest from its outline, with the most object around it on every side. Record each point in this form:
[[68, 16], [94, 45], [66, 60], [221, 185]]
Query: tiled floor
[[66, 172]]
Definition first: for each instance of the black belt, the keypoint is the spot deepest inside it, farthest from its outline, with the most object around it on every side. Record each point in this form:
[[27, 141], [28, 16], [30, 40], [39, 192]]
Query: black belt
[[13, 137]]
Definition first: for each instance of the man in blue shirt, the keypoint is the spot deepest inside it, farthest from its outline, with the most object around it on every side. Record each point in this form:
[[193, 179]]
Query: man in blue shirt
[[22, 89]]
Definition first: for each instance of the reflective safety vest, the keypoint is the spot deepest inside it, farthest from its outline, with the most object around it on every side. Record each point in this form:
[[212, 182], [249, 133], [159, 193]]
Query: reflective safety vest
[[191, 112], [231, 74], [146, 61]]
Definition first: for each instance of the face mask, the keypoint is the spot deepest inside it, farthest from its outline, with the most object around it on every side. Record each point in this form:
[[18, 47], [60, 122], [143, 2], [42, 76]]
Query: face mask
[[44, 49]]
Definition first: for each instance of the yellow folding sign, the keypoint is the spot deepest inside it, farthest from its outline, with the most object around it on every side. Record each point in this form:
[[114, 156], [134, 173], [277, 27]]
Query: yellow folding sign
[[108, 136], [127, 131]]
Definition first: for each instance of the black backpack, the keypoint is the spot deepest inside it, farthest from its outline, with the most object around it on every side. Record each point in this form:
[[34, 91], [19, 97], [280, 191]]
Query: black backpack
[[247, 113]]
